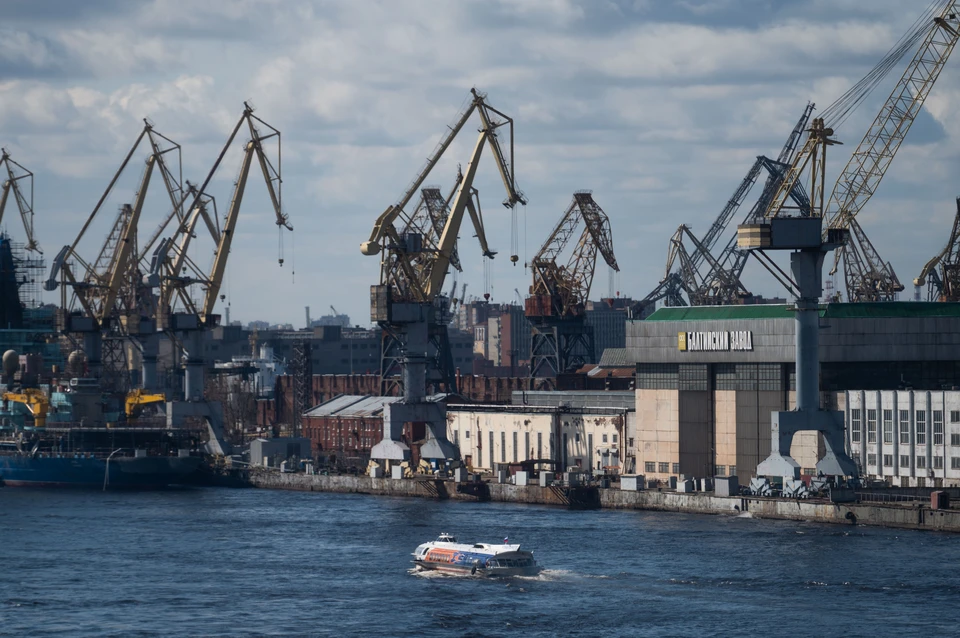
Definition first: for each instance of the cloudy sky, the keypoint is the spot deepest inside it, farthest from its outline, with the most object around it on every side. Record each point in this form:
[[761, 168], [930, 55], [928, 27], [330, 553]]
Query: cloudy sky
[[659, 107]]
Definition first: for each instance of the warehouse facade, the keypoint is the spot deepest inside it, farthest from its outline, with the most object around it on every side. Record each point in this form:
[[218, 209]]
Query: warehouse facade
[[709, 377]]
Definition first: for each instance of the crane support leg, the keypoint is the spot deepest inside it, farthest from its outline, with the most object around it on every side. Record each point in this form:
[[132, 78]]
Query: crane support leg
[[807, 269]]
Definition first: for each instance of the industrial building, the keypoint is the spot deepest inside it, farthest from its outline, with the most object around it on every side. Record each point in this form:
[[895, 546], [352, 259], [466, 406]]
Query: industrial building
[[709, 377]]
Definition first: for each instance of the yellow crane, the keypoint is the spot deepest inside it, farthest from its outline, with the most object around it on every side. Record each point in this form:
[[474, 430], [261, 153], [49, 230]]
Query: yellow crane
[[942, 273], [16, 174], [416, 256], [408, 303], [34, 400], [136, 399]]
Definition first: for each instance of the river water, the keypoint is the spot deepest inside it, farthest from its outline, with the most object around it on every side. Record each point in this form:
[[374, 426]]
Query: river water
[[220, 562]]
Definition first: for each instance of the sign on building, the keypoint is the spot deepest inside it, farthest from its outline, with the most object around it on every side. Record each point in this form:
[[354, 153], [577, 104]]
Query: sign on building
[[715, 341]]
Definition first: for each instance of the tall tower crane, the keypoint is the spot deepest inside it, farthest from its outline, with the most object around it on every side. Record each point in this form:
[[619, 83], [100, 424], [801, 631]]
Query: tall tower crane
[[15, 175], [941, 274], [556, 307], [107, 296], [867, 276], [408, 301]]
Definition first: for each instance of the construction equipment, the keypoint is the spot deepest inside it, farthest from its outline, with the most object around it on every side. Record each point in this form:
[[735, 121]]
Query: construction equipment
[[866, 275], [721, 283], [556, 308], [408, 304], [36, 402], [136, 399], [15, 175], [943, 283], [109, 303], [176, 273]]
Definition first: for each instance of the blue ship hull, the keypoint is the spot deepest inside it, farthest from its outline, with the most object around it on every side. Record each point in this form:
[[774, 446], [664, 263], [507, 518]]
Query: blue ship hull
[[121, 473]]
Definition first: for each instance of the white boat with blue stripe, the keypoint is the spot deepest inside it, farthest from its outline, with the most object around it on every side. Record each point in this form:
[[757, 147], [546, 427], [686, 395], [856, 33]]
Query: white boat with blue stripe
[[448, 555]]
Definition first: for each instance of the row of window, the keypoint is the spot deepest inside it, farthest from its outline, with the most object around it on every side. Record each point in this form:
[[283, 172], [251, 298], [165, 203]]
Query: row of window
[[920, 423], [921, 461]]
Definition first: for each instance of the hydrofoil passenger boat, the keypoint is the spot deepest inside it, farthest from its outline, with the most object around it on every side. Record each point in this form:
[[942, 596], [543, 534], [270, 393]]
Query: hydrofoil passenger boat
[[486, 559]]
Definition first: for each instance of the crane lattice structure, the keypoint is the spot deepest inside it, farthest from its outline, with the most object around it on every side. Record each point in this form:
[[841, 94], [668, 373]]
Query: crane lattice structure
[[417, 250], [722, 283], [866, 275], [104, 301], [16, 175], [941, 274], [556, 307]]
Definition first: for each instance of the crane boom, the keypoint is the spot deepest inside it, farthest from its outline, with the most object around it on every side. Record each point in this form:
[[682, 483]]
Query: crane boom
[[12, 183], [869, 162]]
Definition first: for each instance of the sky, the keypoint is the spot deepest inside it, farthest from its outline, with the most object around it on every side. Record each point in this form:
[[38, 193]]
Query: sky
[[658, 107]]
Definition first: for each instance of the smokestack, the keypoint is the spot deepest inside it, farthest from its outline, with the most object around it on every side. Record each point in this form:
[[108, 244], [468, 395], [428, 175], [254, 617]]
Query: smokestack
[[308, 316]]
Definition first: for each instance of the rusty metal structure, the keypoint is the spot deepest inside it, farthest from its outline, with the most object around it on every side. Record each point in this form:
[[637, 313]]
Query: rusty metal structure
[[941, 275], [556, 307]]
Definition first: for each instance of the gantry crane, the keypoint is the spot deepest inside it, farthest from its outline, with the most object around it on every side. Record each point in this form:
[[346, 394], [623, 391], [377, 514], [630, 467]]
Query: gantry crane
[[413, 265], [556, 307], [15, 175], [941, 274], [108, 298], [867, 276]]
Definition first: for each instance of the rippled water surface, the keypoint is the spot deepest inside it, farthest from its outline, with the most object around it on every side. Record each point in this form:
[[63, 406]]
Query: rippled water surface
[[218, 562]]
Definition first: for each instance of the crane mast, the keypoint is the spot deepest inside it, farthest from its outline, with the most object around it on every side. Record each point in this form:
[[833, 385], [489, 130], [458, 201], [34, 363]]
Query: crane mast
[[417, 250], [556, 308], [24, 205], [867, 276]]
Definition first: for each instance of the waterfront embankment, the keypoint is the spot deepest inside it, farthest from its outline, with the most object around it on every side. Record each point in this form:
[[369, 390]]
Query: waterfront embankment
[[916, 515]]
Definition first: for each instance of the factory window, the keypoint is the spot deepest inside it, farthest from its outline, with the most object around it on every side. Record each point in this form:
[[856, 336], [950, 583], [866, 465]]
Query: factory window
[[921, 462], [657, 376], [904, 426], [721, 470], [456, 437], [576, 437], [614, 438], [664, 468], [466, 434], [888, 426], [871, 426], [954, 463], [768, 376], [938, 427], [921, 428], [954, 438], [725, 376], [526, 445], [871, 460], [938, 462], [954, 416], [629, 442], [649, 467], [904, 460], [604, 438], [491, 449], [515, 459], [539, 445], [694, 377], [887, 460], [855, 426], [676, 468], [733, 470], [503, 447], [808, 471]]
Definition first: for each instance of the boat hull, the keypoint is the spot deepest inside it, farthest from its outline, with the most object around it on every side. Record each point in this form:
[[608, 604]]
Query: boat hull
[[91, 472], [474, 570]]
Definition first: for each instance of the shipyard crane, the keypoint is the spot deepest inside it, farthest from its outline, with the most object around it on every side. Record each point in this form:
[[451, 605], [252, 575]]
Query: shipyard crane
[[408, 301], [556, 307], [867, 276], [722, 284], [941, 274], [732, 261], [108, 299], [418, 248], [15, 175]]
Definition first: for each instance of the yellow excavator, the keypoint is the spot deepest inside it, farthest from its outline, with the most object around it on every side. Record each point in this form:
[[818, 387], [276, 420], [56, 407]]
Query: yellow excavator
[[35, 401], [136, 399]]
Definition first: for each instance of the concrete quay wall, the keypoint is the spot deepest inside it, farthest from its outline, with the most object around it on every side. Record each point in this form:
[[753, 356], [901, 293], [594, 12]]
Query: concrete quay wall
[[899, 516]]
